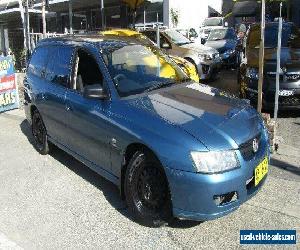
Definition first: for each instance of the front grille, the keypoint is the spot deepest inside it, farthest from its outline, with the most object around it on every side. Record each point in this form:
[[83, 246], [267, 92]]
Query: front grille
[[289, 100], [216, 55], [290, 76], [246, 148]]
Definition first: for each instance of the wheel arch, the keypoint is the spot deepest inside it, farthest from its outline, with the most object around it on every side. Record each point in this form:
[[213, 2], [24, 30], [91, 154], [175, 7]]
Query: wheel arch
[[32, 108], [195, 63], [130, 150], [191, 60]]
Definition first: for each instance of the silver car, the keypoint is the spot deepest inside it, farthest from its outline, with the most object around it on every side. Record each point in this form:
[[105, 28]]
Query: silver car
[[206, 60]]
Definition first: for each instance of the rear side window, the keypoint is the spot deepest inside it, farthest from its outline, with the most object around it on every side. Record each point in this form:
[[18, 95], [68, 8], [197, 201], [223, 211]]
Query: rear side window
[[38, 61], [152, 36], [60, 65], [290, 36]]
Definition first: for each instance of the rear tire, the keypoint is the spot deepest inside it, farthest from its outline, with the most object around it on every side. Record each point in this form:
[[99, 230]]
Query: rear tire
[[39, 133], [146, 190]]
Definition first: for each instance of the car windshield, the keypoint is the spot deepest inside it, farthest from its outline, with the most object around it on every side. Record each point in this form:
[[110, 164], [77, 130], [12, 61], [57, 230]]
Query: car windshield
[[177, 37], [213, 22], [221, 34], [290, 36], [137, 68]]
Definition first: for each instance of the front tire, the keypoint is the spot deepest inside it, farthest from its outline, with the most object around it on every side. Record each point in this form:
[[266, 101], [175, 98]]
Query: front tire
[[146, 190], [39, 133]]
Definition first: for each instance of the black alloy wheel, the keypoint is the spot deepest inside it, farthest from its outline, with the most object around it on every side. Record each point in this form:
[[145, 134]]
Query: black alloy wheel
[[147, 192], [39, 134]]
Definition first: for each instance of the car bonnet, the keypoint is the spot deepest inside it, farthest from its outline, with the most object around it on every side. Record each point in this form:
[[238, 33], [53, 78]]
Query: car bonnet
[[199, 48], [216, 121]]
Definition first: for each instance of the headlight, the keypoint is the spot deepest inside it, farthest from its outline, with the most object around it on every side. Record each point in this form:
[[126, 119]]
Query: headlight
[[252, 73], [205, 57], [214, 161]]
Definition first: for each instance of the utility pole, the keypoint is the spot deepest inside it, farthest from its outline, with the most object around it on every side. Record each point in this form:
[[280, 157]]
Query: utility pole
[[278, 72], [71, 17], [261, 55], [44, 17], [102, 15], [288, 7], [27, 28]]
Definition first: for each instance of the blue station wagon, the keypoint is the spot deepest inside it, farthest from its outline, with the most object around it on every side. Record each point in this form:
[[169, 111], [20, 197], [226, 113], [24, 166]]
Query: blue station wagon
[[174, 148]]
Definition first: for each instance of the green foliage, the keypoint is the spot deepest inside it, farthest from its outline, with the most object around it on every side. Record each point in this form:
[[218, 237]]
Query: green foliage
[[174, 17], [19, 57]]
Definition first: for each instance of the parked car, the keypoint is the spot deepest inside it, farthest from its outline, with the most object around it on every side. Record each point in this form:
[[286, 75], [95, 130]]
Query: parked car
[[225, 41], [289, 94], [206, 59], [172, 146], [209, 24], [189, 68]]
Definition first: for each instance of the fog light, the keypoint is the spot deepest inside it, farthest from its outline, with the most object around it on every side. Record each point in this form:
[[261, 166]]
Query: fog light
[[223, 199]]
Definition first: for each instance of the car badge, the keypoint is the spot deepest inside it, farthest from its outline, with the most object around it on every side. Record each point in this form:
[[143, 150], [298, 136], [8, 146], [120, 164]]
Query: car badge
[[255, 145]]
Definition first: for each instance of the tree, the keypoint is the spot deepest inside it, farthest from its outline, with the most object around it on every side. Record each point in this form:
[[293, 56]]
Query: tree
[[174, 17]]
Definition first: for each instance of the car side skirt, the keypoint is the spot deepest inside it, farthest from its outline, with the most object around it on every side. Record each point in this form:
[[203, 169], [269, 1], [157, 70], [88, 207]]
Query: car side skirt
[[99, 170]]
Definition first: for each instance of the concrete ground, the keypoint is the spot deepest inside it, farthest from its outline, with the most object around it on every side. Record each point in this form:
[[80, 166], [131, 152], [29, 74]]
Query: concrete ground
[[55, 202]]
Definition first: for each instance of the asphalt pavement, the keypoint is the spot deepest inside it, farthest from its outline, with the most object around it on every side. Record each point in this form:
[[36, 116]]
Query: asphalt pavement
[[55, 202]]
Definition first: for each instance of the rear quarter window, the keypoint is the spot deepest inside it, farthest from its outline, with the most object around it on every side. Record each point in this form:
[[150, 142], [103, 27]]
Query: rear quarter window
[[60, 65], [38, 61]]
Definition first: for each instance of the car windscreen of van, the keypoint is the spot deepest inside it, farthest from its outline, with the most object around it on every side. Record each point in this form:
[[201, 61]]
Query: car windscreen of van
[[136, 68], [221, 34], [290, 36], [213, 21], [177, 37]]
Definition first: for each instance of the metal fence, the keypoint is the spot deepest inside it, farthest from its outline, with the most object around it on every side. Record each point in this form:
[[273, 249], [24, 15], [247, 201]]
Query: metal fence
[[36, 37]]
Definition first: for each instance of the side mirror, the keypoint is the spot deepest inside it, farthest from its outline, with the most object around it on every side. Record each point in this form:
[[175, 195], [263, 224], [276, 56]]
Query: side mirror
[[165, 46], [94, 91], [226, 24]]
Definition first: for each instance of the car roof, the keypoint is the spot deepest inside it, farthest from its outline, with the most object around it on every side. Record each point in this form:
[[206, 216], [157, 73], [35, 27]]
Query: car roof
[[96, 39]]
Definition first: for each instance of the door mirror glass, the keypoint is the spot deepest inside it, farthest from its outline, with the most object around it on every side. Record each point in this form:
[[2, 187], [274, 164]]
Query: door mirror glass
[[94, 91]]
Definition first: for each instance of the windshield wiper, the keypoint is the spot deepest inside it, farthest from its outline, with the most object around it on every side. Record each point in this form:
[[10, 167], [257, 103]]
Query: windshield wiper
[[160, 85]]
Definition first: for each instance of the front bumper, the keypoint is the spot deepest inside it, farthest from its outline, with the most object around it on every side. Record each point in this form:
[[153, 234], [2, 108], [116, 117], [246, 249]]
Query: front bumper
[[207, 70], [284, 102], [229, 59], [193, 194]]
